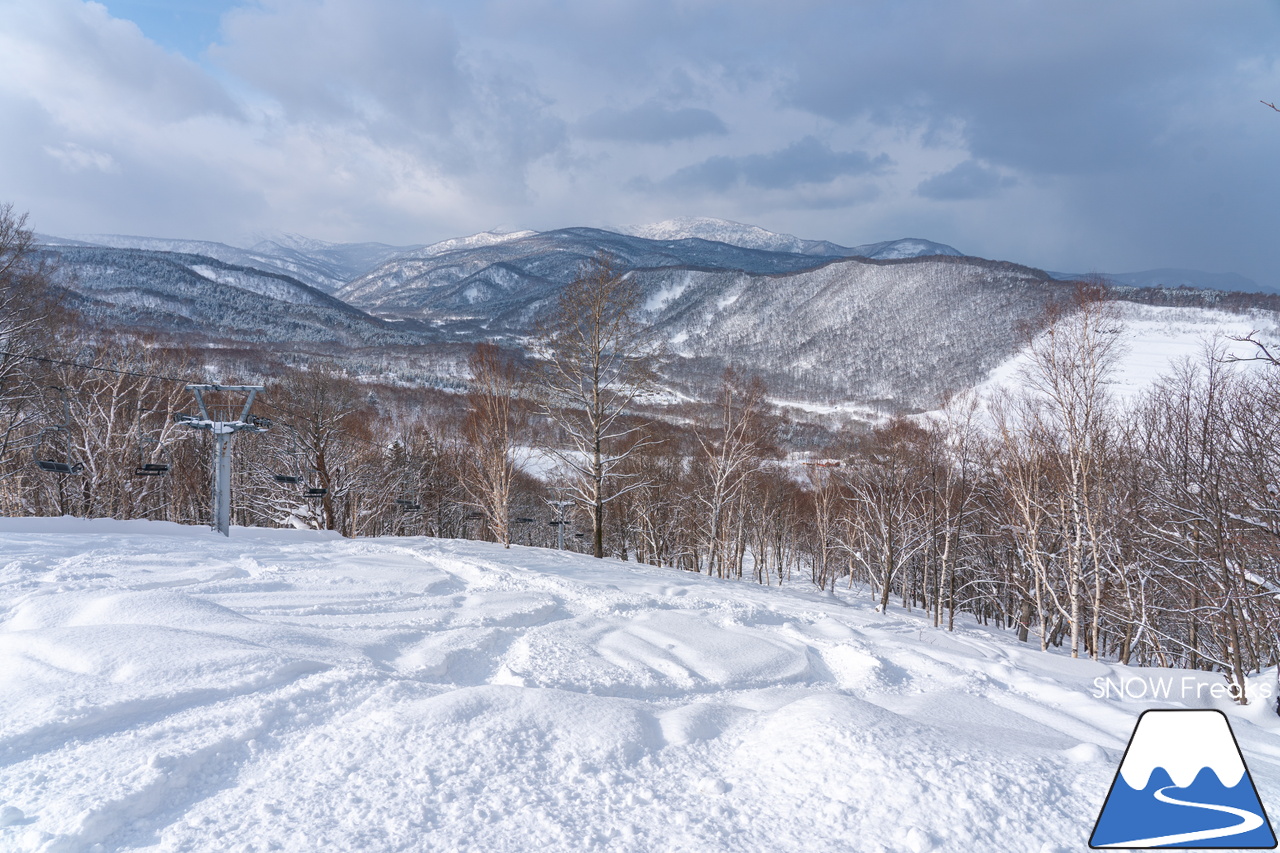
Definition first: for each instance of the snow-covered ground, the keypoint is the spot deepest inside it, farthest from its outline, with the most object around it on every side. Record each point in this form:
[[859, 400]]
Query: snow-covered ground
[[1154, 339], [163, 688]]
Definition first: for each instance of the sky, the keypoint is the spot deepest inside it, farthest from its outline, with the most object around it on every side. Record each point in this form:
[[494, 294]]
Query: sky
[[1086, 136]]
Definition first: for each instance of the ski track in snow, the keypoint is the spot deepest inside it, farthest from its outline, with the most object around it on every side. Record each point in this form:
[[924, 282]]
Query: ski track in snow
[[166, 689]]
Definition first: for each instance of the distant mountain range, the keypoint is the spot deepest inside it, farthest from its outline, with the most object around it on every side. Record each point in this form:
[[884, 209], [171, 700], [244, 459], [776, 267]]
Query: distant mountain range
[[324, 266], [1200, 279], [753, 237], [895, 324]]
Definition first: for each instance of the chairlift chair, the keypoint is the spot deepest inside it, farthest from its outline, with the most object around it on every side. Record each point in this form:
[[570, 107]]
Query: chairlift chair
[[407, 505], [145, 468], [44, 460], [56, 466]]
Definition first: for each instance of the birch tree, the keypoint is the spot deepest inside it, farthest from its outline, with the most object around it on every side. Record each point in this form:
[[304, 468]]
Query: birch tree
[[597, 363]]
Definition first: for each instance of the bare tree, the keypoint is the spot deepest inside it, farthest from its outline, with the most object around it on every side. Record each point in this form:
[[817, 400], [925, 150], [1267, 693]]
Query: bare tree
[[1072, 361], [731, 453], [598, 354], [321, 418], [24, 308], [490, 431]]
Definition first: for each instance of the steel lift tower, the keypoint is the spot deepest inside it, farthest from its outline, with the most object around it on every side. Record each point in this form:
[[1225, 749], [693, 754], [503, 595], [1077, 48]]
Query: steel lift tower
[[223, 432]]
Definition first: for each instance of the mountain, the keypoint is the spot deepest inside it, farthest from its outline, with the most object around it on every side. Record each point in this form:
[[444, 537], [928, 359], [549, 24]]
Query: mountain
[[908, 247], [899, 332], [472, 281], [754, 237], [892, 325], [324, 266], [1173, 278], [198, 294]]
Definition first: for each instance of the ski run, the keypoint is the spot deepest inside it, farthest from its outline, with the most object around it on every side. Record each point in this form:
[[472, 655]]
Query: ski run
[[166, 689]]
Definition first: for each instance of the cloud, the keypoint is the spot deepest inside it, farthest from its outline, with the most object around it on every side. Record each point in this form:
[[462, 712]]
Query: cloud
[[1133, 127], [651, 122], [968, 180], [77, 158], [806, 161]]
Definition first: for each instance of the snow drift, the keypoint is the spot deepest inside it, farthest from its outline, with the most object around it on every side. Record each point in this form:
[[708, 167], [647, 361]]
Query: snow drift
[[167, 689]]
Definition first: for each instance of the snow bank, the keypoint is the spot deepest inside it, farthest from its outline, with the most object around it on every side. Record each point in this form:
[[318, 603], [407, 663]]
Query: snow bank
[[167, 689]]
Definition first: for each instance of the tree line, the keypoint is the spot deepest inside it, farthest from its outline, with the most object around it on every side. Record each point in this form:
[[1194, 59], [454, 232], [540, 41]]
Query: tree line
[[1147, 533]]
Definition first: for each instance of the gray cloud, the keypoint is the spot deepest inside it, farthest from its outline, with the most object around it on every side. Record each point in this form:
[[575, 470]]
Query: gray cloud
[[651, 122], [1132, 127], [806, 161], [968, 180]]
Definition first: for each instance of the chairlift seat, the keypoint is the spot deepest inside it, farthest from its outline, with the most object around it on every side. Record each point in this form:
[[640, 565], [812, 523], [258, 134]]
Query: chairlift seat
[[407, 505], [317, 492], [286, 478], [55, 467], [151, 469]]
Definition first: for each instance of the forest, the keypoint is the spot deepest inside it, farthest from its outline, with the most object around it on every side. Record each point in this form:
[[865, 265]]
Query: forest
[[1146, 533]]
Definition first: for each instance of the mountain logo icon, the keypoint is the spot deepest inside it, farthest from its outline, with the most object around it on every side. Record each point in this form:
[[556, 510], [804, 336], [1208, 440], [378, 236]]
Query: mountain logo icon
[[1183, 783]]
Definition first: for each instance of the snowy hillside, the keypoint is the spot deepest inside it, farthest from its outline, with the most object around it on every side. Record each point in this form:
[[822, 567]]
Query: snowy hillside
[[1154, 339], [165, 689]]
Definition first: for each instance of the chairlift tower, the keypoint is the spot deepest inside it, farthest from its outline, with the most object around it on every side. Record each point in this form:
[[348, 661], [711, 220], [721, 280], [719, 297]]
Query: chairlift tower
[[223, 432], [560, 521]]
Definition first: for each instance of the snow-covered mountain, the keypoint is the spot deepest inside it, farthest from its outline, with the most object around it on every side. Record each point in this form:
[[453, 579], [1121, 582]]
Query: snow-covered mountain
[[888, 325], [523, 266], [322, 265], [735, 234], [754, 237], [897, 332], [166, 688], [907, 247], [200, 295]]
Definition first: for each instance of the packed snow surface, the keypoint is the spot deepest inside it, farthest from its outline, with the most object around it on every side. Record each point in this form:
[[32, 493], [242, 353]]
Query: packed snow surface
[[164, 688]]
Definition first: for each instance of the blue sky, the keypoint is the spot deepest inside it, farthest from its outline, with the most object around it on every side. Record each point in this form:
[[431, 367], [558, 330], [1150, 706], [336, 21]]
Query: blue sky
[[1086, 136]]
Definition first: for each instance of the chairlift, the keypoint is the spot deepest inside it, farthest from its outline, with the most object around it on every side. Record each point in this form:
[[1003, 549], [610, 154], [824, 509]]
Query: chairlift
[[407, 505], [145, 468], [296, 478], [44, 441]]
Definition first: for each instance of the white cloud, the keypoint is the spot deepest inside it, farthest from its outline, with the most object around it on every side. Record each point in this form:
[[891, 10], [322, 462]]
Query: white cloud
[[77, 158]]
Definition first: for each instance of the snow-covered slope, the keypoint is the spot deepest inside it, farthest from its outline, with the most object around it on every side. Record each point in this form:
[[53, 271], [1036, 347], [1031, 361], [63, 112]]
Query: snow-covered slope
[[1153, 339], [166, 689]]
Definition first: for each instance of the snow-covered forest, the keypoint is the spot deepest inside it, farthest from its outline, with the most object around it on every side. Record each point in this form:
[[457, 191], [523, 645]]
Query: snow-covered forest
[[1147, 533]]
